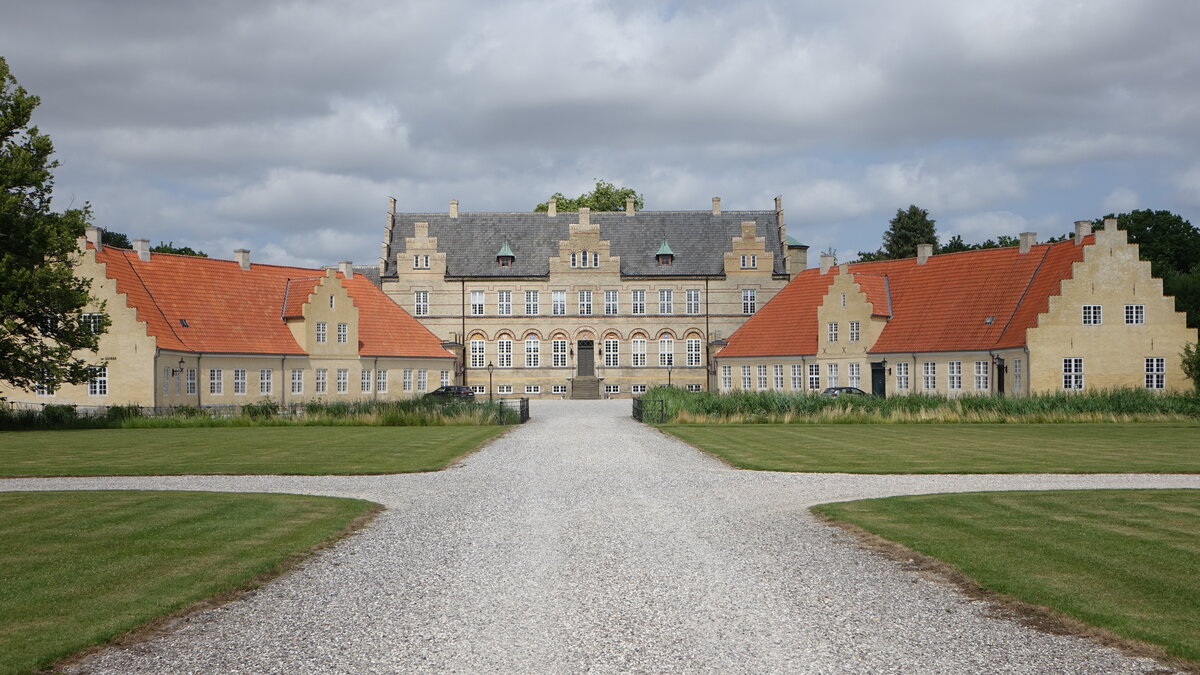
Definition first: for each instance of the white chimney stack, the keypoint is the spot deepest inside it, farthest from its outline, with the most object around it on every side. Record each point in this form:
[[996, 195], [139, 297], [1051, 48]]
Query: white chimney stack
[[716, 206], [552, 207], [585, 216], [142, 246], [629, 206], [242, 256], [923, 253], [346, 268], [1082, 229], [453, 208], [826, 262], [1028, 239], [95, 237]]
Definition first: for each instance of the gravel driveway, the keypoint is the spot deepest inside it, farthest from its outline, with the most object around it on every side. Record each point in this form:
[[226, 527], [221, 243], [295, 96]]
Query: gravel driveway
[[583, 541]]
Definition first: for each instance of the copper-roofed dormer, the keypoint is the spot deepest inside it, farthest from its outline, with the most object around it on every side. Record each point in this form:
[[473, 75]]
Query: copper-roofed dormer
[[665, 255], [505, 257]]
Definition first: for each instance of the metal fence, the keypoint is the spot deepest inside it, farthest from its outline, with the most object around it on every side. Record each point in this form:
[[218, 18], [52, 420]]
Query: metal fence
[[650, 412], [521, 405]]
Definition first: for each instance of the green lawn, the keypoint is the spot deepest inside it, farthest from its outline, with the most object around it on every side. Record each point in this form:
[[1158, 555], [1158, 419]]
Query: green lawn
[[244, 450], [1123, 560], [79, 568], [951, 448]]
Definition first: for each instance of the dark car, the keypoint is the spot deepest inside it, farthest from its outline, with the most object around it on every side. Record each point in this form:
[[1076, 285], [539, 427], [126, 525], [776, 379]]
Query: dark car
[[843, 391], [452, 392]]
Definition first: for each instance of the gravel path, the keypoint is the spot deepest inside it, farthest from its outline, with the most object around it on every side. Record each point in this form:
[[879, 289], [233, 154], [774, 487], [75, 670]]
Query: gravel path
[[583, 541]]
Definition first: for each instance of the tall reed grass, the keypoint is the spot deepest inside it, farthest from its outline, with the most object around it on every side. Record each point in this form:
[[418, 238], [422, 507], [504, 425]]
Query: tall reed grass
[[1110, 405]]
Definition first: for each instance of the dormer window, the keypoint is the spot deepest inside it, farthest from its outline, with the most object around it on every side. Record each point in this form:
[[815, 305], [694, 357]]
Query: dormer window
[[665, 255], [505, 257], [749, 262], [421, 262]]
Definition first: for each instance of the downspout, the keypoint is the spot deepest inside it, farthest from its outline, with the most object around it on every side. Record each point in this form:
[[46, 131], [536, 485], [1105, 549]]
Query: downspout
[[710, 369], [375, 384], [1028, 370], [462, 336], [154, 374], [284, 382]]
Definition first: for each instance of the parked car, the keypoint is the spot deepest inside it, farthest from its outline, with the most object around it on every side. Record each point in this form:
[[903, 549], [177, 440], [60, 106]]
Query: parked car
[[452, 392], [843, 391]]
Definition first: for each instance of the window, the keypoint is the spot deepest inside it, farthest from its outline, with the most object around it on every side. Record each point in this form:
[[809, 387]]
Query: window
[[504, 389], [479, 389], [406, 379], [422, 380], [612, 353], [1135, 315], [638, 350], [381, 381], [797, 377], [321, 381], [239, 380], [476, 303], [533, 357], [666, 351], [558, 303], [954, 375], [843, 299], [504, 303], [476, 354], [983, 372], [666, 301], [902, 376], [610, 302], [44, 388], [1017, 375], [216, 383], [297, 381], [726, 377], [929, 375], [98, 381], [93, 321], [531, 303], [343, 333], [854, 375], [1092, 315], [832, 378], [762, 377], [574, 259], [533, 389], [331, 302], [558, 353], [692, 387], [585, 303], [1072, 373], [638, 389], [694, 355], [595, 259], [444, 380], [191, 381], [420, 262], [584, 258], [1156, 372], [749, 301], [322, 329], [343, 380], [693, 301], [639, 302], [833, 331], [814, 376], [266, 381], [779, 377], [746, 381], [504, 353], [749, 262], [421, 303], [558, 389], [364, 383], [854, 331], [612, 388]]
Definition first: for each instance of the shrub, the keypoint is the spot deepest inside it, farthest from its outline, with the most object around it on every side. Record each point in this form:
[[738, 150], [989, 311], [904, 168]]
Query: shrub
[[261, 410]]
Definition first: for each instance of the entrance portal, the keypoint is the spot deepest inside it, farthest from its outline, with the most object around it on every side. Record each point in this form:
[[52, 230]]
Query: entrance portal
[[586, 361]]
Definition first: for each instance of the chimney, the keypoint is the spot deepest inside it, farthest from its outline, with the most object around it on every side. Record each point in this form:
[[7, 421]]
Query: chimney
[[95, 237], [716, 206], [552, 207], [383, 256], [1110, 224], [346, 268], [923, 253], [242, 256], [453, 208], [585, 216], [142, 246], [826, 262], [391, 204], [1082, 229], [844, 268], [629, 206], [1028, 239]]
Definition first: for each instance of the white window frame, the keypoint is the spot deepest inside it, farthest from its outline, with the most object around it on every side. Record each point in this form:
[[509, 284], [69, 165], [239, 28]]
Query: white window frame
[[216, 382], [364, 381], [1018, 374], [504, 353], [833, 332], [797, 377], [695, 352], [666, 301], [504, 303], [421, 262], [321, 381], [558, 303], [533, 389], [444, 379], [929, 375], [322, 332], [381, 381], [343, 380], [833, 378], [558, 353], [558, 389], [533, 355], [297, 380], [637, 348], [749, 301], [1156, 373], [666, 352], [1093, 315], [983, 376], [239, 381], [638, 301], [532, 303], [343, 333], [637, 389], [749, 262], [779, 376], [762, 377], [98, 381], [854, 375], [477, 348], [612, 353], [726, 378], [1135, 315], [504, 389], [612, 388], [692, 301], [611, 303], [420, 303], [747, 378], [422, 380], [1073, 373], [954, 375], [902, 376], [814, 376], [406, 377], [477, 306], [585, 303], [192, 386], [854, 331], [266, 381]]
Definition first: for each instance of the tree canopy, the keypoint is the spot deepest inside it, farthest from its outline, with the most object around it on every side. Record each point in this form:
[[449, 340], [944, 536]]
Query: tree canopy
[[605, 197], [909, 227], [42, 324], [170, 247]]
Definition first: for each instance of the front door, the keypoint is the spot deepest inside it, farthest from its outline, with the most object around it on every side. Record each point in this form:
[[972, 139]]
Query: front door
[[878, 379], [586, 362]]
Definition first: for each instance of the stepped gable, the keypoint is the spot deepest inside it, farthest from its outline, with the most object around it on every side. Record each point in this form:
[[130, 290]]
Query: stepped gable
[[241, 311], [785, 325], [698, 238]]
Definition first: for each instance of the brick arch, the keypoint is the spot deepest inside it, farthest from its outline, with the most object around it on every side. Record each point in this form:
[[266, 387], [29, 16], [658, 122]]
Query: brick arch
[[559, 334], [639, 333], [531, 333], [585, 333], [692, 333], [666, 332]]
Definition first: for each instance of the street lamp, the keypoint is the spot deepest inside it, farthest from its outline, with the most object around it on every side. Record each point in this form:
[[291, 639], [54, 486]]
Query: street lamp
[[490, 366], [670, 367]]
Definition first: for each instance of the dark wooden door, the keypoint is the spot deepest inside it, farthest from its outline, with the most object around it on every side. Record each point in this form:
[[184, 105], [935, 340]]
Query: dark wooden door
[[878, 379], [586, 361]]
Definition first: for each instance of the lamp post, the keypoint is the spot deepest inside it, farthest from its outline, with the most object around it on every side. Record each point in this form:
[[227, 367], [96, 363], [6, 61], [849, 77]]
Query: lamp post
[[490, 366], [670, 367]]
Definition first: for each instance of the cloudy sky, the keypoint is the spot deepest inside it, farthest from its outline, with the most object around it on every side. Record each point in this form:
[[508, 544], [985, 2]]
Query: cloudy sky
[[285, 126]]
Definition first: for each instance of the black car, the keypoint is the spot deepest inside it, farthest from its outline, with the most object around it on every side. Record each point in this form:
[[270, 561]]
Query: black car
[[452, 392], [843, 391]]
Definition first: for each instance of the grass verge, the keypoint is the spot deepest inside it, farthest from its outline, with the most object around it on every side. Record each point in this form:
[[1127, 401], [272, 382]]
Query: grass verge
[[950, 448], [1120, 560], [83, 568], [248, 450]]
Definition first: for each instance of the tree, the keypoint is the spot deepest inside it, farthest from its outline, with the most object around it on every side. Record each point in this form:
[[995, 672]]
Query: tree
[[910, 227], [115, 239], [1191, 364], [42, 324], [605, 197], [170, 247]]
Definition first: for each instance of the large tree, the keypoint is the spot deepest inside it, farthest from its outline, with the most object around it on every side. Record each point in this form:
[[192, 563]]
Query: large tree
[[41, 300], [909, 227], [605, 197]]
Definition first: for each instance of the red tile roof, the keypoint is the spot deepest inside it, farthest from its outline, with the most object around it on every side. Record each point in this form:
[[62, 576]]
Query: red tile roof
[[974, 300], [231, 310]]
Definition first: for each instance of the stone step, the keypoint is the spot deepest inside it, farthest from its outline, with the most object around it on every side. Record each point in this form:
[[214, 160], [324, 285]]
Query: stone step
[[585, 388]]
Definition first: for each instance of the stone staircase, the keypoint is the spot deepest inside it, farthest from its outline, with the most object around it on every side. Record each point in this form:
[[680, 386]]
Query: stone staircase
[[585, 388]]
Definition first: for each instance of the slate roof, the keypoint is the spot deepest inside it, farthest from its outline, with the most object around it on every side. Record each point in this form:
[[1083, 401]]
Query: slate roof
[[698, 238], [943, 305], [235, 311]]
